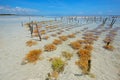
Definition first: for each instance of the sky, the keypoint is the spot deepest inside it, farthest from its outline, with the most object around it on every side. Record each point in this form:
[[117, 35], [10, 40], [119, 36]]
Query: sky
[[60, 7]]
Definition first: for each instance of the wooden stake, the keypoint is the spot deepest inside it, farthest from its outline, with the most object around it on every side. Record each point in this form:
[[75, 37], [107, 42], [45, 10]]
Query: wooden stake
[[31, 29], [113, 22], [89, 65], [38, 32]]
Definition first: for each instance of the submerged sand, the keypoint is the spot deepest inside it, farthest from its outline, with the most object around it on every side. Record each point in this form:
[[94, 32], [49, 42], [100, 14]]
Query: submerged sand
[[105, 64]]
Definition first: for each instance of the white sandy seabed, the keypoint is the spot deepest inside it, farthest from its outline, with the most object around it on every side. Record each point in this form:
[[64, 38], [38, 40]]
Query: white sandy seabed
[[105, 64]]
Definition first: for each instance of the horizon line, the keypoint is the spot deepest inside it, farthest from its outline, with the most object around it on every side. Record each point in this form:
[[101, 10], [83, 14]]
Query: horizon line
[[56, 15]]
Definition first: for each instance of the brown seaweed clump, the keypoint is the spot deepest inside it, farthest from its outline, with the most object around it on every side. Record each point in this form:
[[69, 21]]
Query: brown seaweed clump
[[71, 36], [50, 47], [57, 42], [75, 45], [86, 54], [31, 43], [109, 47], [35, 31], [67, 55], [81, 41], [35, 35], [46, 37], [63, 38], [42, 32], [32, 56], [88, 47], [54, 75], [85, 60], [83, 64], [88, 41]]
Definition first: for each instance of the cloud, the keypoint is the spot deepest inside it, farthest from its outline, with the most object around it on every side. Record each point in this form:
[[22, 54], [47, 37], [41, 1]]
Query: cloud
[[16, 10]]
